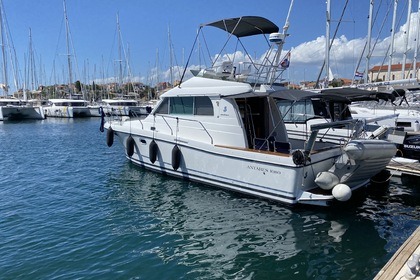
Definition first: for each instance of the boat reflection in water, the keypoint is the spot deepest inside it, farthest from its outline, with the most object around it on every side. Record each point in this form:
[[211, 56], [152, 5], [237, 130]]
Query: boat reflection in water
[[217, 235]]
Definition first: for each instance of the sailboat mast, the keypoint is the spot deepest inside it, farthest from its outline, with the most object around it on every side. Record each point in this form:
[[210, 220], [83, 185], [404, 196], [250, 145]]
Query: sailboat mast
[[417, 41], [3, 51], [120, 78], [157, 71], [368, 43], [32, 74], [327, 42], [407, 34], [170, 57], [68, 48], [391, 52]]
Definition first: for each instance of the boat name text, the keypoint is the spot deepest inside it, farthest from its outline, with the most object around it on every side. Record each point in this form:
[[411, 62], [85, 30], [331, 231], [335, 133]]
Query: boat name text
[[263, 169]]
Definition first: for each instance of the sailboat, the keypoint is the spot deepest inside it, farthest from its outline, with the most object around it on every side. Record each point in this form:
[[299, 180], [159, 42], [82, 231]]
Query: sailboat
[[13, 108], [70, 107], [123, 105]]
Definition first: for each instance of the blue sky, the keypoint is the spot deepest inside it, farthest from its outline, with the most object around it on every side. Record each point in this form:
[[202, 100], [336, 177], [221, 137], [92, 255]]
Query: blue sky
[[144, 27]]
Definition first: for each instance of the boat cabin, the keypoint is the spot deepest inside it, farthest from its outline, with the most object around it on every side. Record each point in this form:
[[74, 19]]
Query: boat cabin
[[68, 102], [251, 122], [120, 102], [299, 106]]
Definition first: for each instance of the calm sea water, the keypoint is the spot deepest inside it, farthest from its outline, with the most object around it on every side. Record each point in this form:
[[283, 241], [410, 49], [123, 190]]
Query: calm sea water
[[72, 208]]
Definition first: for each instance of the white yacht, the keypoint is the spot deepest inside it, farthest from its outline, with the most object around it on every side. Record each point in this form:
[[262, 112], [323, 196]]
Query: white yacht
[[124, 107], [404, 112], [15, 109], [223, 128], [407, 119], [70, 108], [302, 109]]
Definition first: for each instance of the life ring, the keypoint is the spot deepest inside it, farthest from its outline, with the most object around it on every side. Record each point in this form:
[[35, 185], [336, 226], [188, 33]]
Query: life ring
[[110, 137], [130, 146], [153, 150], [176, 157]]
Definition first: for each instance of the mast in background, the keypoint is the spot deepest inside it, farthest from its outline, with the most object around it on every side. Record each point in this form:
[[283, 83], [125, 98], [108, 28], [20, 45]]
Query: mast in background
[[391, 52]]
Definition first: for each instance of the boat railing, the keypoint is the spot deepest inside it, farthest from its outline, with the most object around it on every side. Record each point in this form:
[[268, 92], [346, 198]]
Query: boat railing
[[249, 72], [315, 128], [377, 119], [133, 115], [115, 115], [186, 120], [355, 131], [333, 124]]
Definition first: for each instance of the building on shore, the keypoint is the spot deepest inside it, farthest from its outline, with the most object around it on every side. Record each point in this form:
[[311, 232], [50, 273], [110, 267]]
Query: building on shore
[[380, 72]]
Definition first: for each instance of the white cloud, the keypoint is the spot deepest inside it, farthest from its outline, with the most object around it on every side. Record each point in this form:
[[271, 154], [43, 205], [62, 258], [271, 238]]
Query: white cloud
[[346, 53]]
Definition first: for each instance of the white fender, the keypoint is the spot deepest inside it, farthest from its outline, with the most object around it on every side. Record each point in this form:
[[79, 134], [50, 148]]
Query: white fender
[[341, 192], [326, 180]]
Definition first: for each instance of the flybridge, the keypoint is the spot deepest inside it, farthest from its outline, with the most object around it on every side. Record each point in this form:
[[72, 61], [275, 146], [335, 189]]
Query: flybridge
[[233, 64], [265, 71]]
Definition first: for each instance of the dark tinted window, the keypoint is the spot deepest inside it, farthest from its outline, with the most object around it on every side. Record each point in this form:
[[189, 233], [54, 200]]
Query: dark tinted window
[[200, 105], [163, 107], [203, 106], [181, 105]]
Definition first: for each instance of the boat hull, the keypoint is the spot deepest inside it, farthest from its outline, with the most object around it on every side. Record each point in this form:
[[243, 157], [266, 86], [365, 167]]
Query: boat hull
[[72, 112], [269, 175], [21, 113], [59, 111]]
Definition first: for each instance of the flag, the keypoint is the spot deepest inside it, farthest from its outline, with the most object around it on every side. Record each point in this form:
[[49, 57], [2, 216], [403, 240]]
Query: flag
[[358, 75], [286, 61]]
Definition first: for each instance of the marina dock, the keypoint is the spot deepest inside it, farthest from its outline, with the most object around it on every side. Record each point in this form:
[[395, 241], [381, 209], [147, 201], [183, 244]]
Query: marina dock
[[401, 166], [396, 267]]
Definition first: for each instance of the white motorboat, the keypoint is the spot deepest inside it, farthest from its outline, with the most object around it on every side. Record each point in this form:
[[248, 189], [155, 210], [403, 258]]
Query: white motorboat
[[404, 112], [408, 119], [70, 108], [125, 107], [302, 109], [223, 128], [15, 109]]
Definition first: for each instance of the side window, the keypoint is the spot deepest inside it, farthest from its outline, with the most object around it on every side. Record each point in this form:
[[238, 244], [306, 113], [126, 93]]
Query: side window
[[299, 111], [320, 109], [285, 108], [181, 105], [203, 106], [186, 106], [163, 107]]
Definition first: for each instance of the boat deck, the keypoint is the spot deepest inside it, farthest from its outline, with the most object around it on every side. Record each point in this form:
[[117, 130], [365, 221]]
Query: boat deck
[[396, 267]]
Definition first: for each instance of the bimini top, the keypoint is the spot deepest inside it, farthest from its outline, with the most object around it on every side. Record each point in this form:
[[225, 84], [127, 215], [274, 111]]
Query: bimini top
[[347, 95], [245, 26]]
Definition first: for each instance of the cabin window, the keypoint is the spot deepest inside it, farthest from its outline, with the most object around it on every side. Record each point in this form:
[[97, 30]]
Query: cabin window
[[181, 105], [200, 105], [203, 106], [404, 124], [298, 111], [163, 107], [339, 111]]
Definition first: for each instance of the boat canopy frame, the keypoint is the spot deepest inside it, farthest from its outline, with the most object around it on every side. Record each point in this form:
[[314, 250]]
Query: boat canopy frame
[[240, 27]]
